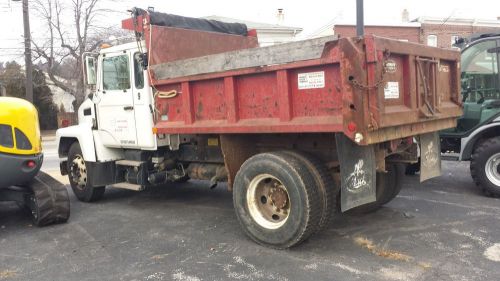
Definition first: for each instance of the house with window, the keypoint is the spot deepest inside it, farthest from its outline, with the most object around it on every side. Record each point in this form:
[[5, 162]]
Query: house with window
[[439, 32], [436, 32]]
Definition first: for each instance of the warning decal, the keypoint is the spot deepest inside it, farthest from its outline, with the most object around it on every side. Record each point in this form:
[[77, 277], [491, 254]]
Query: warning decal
[[391, 90], [311, 80]]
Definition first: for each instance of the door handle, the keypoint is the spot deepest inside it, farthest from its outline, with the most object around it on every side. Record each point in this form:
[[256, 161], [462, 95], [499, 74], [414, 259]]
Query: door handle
[[128, 107]]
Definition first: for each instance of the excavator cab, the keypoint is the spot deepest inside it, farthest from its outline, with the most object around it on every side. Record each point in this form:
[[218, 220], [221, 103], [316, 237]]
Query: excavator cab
[[21, 158]]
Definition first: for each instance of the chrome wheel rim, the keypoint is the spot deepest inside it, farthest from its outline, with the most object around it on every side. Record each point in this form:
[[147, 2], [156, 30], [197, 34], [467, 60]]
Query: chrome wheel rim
[[492, 169], [268, 201], [78, 172]]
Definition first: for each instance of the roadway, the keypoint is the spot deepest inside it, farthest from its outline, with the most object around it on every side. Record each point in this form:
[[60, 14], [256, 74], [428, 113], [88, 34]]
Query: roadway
[[444, 229]]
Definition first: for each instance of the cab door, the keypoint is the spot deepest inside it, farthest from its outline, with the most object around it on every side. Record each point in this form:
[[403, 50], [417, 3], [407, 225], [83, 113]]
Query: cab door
[[115, 101], [143, 105]]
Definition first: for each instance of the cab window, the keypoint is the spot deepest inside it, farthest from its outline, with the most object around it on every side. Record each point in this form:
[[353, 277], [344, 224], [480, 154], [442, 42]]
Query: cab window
[[6, 139], [116, 75], [138, 71], [480, 72], [22, 141]]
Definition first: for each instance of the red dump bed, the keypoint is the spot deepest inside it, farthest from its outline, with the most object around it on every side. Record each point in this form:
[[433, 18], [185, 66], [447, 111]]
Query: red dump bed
[[384, 89]]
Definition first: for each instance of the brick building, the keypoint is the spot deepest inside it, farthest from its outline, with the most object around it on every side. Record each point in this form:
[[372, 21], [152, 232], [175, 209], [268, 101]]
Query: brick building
[[441, 33], [405, 31], [436, 32]]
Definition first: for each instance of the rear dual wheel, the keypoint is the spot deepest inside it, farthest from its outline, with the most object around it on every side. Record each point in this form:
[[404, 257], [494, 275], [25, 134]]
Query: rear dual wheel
[[325, 185], [278, 198]]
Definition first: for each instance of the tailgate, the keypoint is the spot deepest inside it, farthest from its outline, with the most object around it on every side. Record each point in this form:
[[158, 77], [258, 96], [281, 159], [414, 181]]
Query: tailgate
[[397, 89]]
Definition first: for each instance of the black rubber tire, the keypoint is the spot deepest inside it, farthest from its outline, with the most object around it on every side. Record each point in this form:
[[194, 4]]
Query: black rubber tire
[[388, 187], [480, 156], [49, 201], [88, 193], [303, 193], [324, 180], [412, 169], [396, 177]]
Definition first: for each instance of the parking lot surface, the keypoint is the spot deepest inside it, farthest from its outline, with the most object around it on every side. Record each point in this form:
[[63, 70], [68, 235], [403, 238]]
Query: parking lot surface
[[444, 229]]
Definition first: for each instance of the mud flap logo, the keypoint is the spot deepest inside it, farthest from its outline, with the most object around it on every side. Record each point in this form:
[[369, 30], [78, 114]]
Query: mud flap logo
[[430, 155], [357, 173], [356, 181]]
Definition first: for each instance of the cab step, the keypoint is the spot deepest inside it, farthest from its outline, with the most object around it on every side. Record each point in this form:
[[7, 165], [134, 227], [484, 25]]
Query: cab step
[[129, 186]]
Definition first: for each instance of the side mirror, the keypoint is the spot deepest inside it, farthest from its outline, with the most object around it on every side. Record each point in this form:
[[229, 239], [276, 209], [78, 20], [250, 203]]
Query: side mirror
[[90, 72]]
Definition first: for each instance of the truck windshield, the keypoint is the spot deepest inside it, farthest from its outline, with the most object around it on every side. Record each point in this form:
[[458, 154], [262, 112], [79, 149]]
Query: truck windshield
[[480, 72], [116, 75]]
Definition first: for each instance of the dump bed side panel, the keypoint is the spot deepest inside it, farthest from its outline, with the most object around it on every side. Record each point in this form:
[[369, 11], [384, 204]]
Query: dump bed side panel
[[262, 102]]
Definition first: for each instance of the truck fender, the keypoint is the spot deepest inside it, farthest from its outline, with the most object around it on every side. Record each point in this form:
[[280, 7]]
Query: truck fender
[[467, 144], [81, 133]]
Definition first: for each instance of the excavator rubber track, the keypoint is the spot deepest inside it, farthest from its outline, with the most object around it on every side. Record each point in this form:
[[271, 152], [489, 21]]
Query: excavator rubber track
[[49, 201]]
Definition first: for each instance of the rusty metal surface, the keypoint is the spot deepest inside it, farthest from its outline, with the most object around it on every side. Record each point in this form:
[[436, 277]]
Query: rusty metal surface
[[204, 171], [236, 150], [371, 89], [170, 44], [408, 130], [242, 58]]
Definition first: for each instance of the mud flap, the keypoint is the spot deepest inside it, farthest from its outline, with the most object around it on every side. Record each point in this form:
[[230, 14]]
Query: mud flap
[[430, 156], [357, 172]]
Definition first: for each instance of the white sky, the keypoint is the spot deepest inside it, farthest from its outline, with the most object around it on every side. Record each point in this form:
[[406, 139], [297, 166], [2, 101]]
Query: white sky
[[308, 14]]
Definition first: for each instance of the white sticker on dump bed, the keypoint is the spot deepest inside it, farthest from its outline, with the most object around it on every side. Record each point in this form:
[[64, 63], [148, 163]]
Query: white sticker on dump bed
[[391, 90], [311, 80]]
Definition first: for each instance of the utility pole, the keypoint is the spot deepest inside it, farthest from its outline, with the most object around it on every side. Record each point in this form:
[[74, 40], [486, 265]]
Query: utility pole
[[360, 22], [27, 51]]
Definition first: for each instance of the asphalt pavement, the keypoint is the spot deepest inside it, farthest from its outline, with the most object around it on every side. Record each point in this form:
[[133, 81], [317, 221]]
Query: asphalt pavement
[[443, 229]]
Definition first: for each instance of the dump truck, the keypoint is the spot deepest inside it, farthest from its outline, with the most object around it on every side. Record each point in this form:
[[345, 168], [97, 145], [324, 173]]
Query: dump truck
[[21, 158], [299, 131]]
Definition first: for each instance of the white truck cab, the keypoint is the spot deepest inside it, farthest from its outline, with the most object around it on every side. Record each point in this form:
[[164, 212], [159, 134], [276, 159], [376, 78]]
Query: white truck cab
[[119, 110], [115, 118]]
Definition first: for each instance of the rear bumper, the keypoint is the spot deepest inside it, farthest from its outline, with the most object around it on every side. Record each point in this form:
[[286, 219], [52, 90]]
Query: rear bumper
[[409, 130], [14, 171]]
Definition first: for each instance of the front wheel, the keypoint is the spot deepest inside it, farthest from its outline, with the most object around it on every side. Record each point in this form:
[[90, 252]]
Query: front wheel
[[485, 166], [276, 200], [78, 176]]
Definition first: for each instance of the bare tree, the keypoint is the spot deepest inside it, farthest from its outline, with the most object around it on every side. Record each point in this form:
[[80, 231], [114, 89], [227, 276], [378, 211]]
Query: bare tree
[[67, 41]]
